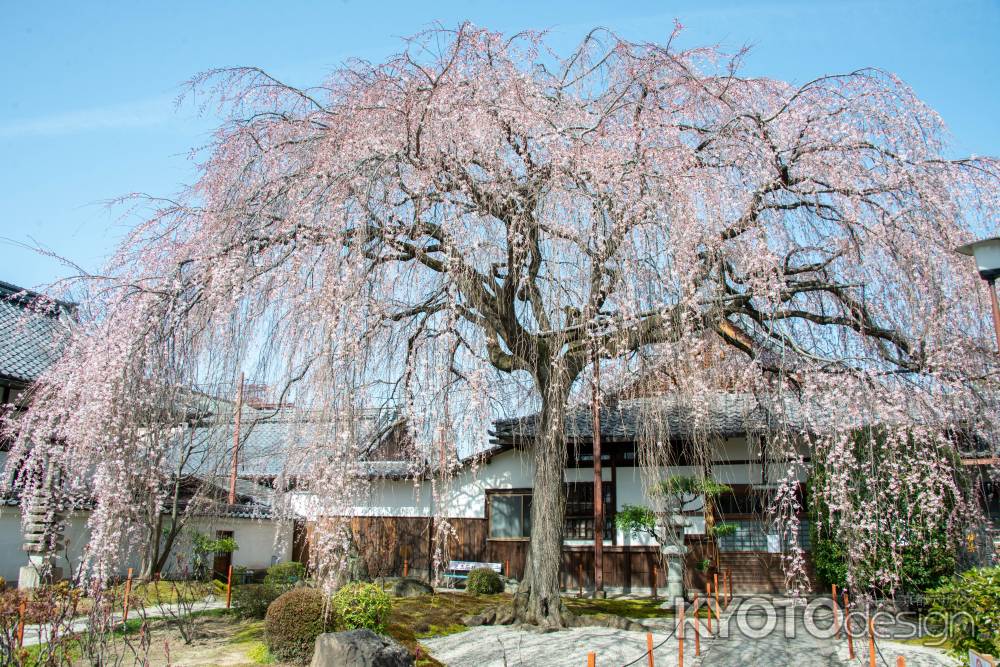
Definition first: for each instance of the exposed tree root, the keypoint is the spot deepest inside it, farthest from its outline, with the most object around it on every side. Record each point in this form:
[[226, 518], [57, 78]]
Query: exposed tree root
[[519, 612]]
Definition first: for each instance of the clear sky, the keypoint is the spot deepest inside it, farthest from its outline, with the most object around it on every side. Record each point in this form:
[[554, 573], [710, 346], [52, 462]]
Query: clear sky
[[87, 113]]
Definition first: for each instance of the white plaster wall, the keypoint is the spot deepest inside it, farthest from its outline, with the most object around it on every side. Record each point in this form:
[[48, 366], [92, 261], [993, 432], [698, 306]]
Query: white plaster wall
[[11, 556], [256, 539], [464, 496]]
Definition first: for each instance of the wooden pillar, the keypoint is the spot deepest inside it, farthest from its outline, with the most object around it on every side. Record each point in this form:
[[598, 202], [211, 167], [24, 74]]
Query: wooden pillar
[[236, 442], [598, 482]]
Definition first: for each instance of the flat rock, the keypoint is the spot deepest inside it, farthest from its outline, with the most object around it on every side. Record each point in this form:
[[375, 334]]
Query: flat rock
[[359, 648], [411, 588]]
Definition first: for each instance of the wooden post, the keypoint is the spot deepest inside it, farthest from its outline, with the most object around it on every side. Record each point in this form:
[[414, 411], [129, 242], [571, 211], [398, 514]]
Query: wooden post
[[847, 627], [20, 624], [591, 659], [506, 568], [128, 589], [649, 647], [229, 586], [680, 637], [708, 597], [598, 480], [236, 442], [579, 578], [833, 596], [715, 585], [406, 567], [871, 643], [729, 571], [656, 588]]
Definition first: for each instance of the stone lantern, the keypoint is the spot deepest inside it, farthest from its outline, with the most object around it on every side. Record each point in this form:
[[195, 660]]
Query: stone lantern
[[42, 536], [672, 524]]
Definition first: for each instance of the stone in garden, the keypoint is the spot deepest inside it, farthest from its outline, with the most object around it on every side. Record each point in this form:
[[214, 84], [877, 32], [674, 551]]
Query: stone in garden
[[359, 648], [411, 588]]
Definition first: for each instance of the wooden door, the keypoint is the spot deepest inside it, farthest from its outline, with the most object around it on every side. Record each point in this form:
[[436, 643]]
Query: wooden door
[[222, 561]]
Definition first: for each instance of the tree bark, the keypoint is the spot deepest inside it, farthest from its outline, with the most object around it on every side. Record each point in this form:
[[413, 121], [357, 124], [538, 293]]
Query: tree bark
[[542, 604]]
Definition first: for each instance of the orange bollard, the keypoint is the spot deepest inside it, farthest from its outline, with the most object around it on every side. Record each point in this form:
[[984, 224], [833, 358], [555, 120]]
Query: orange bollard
[[871, 643], [229, 586], [708, 597], [506, 568], [833, 599], [680, 639], [591, 659], [406, 567], [649, 647], [20, 624], [579, 579], [729, 578], [656, 582], [847, 627], [128, 589], [900, 661], [715, 585]]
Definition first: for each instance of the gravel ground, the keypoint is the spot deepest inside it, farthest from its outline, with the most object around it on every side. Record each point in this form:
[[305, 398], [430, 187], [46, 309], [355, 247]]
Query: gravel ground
[[508, 646]]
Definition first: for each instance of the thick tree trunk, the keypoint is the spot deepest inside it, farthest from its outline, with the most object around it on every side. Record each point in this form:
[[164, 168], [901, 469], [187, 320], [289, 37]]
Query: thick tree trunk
[[542, 605]]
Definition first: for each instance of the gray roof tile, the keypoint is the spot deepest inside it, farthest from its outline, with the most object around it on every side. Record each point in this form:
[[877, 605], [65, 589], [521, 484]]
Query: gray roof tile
[[29, 340]]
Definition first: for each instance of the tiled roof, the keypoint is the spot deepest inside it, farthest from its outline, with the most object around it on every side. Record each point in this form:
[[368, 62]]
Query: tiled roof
[[29, 340], [273, 442], [669, 417]]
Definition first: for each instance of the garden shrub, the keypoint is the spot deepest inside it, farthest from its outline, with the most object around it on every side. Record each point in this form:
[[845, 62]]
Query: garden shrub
[[970, 605], [360, 606], [252, 600], [285, 575], [293, 622], [484, 581]]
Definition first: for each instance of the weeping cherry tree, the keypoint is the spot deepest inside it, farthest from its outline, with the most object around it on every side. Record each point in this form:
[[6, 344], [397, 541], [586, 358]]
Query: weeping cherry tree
[[464, 228]]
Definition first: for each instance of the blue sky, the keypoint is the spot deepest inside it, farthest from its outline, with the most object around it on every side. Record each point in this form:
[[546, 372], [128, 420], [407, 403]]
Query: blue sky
[[88, 110]]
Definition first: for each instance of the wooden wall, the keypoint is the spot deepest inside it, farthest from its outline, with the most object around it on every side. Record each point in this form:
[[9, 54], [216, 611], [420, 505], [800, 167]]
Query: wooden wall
[[384, 542]]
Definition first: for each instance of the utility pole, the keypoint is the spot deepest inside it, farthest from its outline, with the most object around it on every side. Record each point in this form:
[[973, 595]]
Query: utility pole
[[598, 482], [236, 442]]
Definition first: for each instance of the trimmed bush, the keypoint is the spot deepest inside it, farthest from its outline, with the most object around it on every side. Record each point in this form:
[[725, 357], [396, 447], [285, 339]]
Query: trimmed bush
[[285, 575], [252, 600], [970, 605], [293, 622], [361, 606], [484, 581]]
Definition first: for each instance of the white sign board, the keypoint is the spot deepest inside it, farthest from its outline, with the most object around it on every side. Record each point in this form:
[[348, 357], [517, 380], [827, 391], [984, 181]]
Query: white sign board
[[773, 543], [977, 660]]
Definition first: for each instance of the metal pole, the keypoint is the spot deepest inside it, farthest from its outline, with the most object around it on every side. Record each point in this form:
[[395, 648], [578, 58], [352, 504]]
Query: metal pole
[[996, 309], [236, 442], [598, 482]]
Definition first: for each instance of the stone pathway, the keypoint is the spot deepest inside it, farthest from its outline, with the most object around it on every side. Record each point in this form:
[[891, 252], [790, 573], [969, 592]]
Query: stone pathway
[[37, 634]]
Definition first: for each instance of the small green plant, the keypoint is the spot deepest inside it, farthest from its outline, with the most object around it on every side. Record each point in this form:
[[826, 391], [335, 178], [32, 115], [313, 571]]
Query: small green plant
[[722, 529], [293, 622], [203, 548], [970, 606], [259, 654], [362, 606], [252, 600], [285, 575], [484, 581], [704, 564]]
